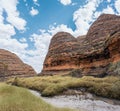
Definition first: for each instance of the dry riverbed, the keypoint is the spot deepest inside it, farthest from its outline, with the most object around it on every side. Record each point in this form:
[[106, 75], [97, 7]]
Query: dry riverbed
[[86, 102]]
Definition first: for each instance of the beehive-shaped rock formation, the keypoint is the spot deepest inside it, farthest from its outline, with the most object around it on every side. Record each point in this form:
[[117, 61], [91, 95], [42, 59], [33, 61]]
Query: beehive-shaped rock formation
[[97, 53], [11, 66]]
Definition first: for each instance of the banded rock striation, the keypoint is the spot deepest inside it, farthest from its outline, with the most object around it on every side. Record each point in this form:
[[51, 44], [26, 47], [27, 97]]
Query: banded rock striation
[[97, 53], [12, 66]]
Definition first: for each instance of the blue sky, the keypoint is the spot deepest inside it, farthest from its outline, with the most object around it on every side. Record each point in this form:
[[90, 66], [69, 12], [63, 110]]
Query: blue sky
[[27, 26]]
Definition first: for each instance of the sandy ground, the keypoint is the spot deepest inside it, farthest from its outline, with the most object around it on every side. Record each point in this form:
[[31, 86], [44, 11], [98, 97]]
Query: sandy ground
[[85, 103]]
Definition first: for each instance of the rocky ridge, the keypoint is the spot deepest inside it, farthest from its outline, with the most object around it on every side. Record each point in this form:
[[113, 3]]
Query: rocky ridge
[[12, 66], [97, 53]]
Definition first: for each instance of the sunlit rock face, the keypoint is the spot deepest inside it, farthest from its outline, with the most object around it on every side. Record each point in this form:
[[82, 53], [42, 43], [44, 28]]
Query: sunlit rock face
[[12, 66], [97, 53]]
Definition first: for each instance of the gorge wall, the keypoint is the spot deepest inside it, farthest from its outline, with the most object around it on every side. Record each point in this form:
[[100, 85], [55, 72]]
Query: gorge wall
[[97, 53], [12, 66]]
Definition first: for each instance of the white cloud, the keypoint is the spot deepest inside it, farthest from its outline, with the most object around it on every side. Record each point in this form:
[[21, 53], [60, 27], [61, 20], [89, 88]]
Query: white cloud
[[73, 4], [66, 2], [117, 6], [83, 17], [35, 0], [41, 44], [34, 12], [10, 7], [109, 1], [6, 31], [97, 14], [17, 22], [108, 10], [53, 30], [13, 45], [23, 40]]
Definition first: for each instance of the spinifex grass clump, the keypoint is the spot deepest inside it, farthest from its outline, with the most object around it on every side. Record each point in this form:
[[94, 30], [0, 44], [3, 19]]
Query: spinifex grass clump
[[53, 85], [19, 99]]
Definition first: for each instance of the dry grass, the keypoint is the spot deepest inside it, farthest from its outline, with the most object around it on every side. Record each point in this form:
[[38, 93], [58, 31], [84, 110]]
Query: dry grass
[[53, 85], [19, 99]]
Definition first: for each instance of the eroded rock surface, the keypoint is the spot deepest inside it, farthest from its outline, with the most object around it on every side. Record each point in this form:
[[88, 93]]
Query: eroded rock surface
[[12, 66], [97, 53]]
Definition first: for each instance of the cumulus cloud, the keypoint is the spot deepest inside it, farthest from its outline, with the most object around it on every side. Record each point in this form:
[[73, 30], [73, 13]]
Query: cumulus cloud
[[8, 30], [66, 2], [53, 30], [117, 6], [34, 12], [83, 17], [109, 0], [35, 0], [10, 7], [108, 10], [23, 40]]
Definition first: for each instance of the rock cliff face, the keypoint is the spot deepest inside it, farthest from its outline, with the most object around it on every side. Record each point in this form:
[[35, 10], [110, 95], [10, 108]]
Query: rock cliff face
[[11, 66], [97, 53]]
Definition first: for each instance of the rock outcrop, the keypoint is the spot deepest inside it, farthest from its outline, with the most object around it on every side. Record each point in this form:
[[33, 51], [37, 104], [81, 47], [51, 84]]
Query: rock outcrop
[[97, 53], [12, 66]]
